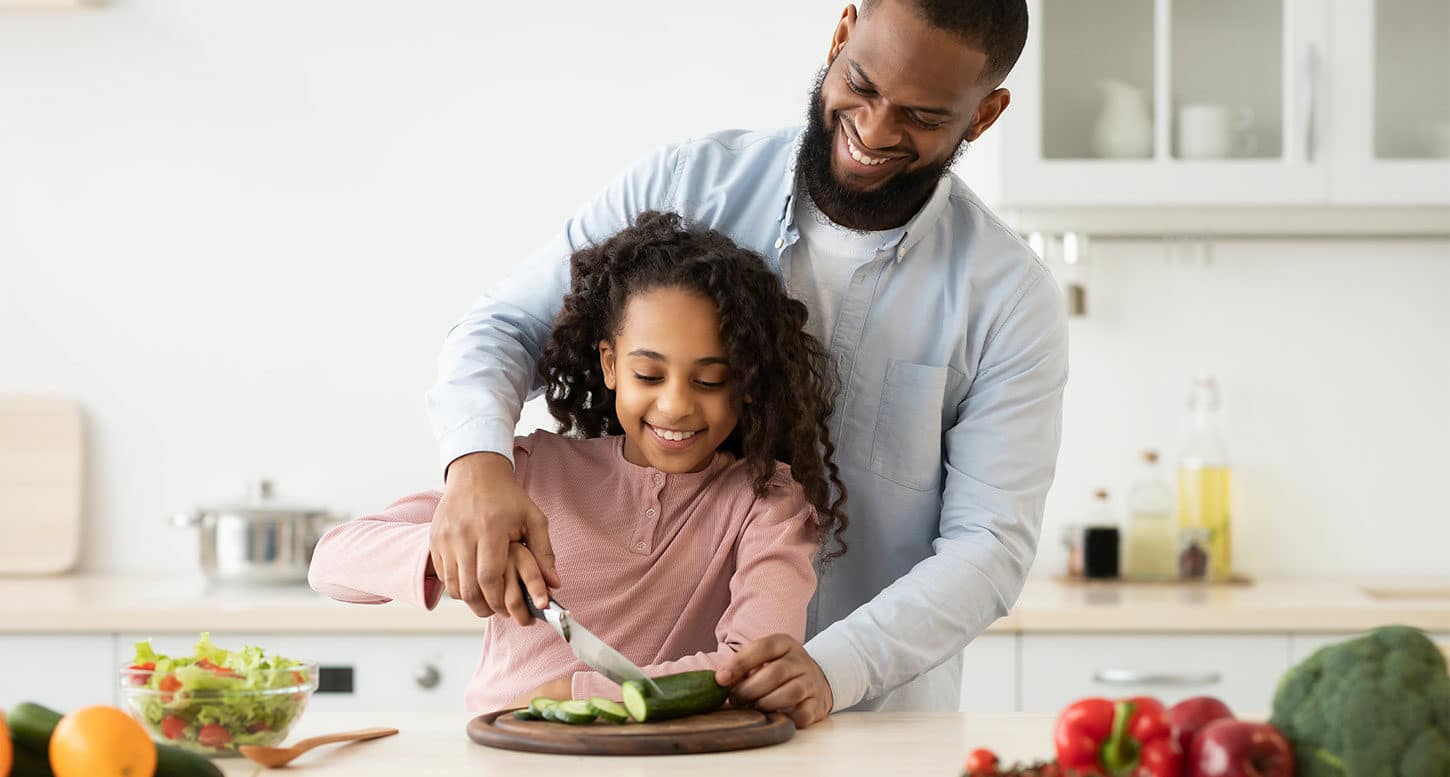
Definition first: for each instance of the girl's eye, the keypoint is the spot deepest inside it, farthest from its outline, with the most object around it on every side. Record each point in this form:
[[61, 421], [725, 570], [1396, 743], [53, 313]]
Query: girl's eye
[[647, 378], [711, 385]]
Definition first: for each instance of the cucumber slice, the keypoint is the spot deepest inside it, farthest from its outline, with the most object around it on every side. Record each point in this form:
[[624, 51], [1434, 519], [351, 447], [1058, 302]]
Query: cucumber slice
[[612, 711], [686, 693], [573, 711], [526, 715], [540, 706]]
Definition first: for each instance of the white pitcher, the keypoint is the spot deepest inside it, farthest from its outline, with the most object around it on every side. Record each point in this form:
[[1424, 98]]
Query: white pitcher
[[1124, 128]]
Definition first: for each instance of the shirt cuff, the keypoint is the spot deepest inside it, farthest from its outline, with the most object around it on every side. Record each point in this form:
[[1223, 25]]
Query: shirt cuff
[[491, 434], [841, 665], [590, 684]]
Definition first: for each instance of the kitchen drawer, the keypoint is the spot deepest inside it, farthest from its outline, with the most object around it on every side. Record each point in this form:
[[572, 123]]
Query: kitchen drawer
[[1302, 645], [1243, 670], [989, 674], [396, 673], [60, 671]]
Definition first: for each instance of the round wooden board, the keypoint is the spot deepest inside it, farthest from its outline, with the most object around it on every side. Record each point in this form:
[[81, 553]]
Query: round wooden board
[[709, 733]]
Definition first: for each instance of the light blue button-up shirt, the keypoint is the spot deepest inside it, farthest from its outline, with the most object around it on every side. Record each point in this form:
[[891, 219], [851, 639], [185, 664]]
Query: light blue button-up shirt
[[952, 348]]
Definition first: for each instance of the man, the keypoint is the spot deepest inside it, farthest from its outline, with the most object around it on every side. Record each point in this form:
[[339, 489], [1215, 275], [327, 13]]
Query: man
[[950, 338]]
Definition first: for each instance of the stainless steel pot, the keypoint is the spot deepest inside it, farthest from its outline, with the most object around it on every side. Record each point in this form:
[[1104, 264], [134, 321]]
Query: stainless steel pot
[[257, 540]]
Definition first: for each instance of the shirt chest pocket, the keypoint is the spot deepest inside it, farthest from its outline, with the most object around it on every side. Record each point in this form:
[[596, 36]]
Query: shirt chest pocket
[[907, 444]]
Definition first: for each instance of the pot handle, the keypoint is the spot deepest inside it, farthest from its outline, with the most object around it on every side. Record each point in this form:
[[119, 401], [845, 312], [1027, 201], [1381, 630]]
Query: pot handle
[[186, 520]]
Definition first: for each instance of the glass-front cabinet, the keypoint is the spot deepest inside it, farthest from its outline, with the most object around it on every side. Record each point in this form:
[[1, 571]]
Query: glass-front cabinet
[[1230, 103], [1392, 102]]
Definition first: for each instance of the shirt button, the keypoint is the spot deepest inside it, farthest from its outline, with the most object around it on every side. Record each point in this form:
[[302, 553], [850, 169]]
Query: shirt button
[[659, 478], [900, 252], [650, 512], [780, 242], [639, 546]]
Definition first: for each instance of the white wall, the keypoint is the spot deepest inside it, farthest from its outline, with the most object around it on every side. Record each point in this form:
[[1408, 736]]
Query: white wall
[[237, 232]]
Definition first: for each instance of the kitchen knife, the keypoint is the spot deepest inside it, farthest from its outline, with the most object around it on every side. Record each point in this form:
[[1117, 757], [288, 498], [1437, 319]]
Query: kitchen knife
[[593, 651]]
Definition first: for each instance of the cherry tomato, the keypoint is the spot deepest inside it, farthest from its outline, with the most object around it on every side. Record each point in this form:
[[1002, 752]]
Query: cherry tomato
[[172, 726], [213, 735]]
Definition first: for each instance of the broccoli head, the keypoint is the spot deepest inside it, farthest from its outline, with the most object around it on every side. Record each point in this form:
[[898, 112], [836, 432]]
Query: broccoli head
[[1374, 706]]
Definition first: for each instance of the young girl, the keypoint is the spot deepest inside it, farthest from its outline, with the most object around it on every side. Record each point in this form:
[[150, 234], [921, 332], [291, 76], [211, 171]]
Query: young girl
[[689, 489]]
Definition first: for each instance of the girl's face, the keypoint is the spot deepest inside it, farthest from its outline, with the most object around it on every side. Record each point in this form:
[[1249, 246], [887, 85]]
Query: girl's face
[[671, 382]]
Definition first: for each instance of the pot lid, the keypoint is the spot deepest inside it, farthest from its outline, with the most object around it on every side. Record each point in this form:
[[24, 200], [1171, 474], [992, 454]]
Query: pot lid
[[260, 500]]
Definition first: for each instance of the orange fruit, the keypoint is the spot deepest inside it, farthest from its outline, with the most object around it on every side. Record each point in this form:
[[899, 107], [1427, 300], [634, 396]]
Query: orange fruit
[[6, 752], [101, 742]]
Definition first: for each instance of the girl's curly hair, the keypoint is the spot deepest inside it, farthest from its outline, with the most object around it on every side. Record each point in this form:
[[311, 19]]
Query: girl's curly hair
[[784, 371]]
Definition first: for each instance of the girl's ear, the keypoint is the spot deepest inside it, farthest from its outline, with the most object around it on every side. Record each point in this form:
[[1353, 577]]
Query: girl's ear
[[606, 363]]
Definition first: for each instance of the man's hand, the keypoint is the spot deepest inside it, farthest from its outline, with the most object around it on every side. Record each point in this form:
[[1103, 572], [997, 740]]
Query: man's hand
[[482, 514], [561, 689], [776, 673]]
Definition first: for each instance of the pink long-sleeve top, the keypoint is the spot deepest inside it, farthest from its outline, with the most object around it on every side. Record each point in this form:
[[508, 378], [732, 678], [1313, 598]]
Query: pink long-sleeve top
[[674, 571]]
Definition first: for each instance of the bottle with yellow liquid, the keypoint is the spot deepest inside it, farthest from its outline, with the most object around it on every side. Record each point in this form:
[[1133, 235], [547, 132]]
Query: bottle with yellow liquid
[[1203, 478]]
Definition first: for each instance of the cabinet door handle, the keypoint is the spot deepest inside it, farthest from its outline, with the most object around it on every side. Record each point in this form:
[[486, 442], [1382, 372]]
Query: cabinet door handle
[[427, 676], [1309, 98], [1132, 677]]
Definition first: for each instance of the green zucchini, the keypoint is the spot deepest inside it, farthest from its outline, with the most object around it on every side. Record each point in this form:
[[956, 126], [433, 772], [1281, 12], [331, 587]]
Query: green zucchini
[[31, 726], [612, 711], [574, 711], [686, 693]]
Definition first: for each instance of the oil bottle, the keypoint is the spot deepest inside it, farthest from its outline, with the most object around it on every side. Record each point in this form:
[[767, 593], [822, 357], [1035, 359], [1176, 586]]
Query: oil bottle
[[1203, 478]]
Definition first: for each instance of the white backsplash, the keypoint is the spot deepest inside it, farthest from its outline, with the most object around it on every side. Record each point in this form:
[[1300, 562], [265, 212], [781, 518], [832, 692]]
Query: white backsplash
[[238, 232]]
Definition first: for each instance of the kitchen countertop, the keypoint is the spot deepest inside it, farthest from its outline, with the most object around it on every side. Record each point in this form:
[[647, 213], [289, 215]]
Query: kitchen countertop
[[112, 603], [868, 743]]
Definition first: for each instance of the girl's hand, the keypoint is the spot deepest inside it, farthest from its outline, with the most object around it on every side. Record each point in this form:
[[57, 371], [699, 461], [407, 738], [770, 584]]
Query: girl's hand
[[561, 689]]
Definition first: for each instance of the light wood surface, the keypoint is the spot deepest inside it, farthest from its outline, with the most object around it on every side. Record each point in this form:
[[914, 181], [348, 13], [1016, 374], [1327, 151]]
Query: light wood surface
[[177, 604], [853, 743], [42, 455]]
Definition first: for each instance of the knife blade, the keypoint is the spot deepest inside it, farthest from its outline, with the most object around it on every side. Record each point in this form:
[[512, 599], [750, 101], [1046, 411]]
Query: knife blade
[[593, 651]]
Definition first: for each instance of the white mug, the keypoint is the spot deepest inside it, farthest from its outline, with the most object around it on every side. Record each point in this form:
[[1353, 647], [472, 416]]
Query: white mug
[[1214, 132]]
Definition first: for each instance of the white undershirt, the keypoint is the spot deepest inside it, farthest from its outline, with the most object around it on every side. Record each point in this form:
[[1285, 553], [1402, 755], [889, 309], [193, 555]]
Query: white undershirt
[[823, 261]]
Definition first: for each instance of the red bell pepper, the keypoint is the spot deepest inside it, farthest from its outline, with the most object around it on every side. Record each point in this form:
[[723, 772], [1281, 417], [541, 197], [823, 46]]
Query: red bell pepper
[[1124, 738]]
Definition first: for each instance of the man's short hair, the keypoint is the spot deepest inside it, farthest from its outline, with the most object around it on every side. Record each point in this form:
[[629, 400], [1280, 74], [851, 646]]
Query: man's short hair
[[996, 27]]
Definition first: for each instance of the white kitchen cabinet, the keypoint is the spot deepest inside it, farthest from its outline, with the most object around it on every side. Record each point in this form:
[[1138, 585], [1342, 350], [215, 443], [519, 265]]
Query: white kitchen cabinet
[[989, 674], [1388, 72], [392, 673], [1302, 645], [60, 671], [1243, 670], [1326, 103]]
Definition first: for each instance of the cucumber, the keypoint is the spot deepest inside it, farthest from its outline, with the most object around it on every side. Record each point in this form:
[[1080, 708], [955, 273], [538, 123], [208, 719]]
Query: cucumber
[[175, 762], [574, 712], [526, 715], [686, 693], [540, 706], [28, 764], [612, 711], [31, 726]]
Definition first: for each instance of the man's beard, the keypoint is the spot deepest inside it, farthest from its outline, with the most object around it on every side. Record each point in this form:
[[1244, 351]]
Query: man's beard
[[888, 206]]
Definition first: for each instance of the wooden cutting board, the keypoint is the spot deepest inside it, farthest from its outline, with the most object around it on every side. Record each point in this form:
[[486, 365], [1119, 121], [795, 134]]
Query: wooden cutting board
[[709, 733], [42, 455]]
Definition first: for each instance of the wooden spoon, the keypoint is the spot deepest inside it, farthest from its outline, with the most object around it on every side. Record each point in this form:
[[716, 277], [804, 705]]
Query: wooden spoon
[[273, 757]]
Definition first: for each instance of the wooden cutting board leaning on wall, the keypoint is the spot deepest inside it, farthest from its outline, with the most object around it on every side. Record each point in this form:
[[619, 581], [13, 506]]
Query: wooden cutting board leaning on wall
[[42, 456]]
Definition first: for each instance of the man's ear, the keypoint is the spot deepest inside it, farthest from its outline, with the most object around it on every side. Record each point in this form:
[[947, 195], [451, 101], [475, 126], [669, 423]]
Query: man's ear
[[844, 28], [606, 363], [988, 111]]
